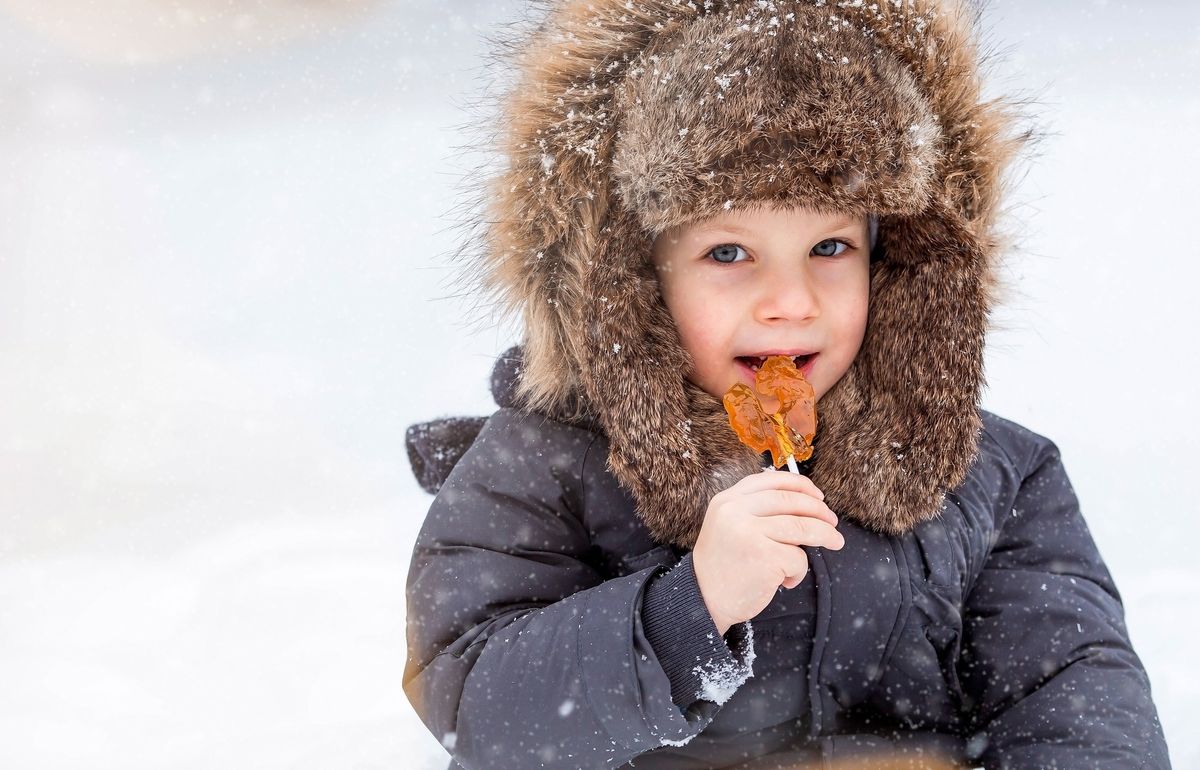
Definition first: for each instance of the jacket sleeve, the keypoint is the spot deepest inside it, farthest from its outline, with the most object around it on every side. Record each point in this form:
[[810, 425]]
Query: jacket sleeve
[[520, 652], [1050, 675]]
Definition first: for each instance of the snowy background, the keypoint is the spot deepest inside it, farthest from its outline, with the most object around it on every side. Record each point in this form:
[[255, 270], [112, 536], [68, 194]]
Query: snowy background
[[223, 297]]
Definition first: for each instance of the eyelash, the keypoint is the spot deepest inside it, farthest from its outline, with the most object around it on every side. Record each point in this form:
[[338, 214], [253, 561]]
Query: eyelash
[[743, 248]]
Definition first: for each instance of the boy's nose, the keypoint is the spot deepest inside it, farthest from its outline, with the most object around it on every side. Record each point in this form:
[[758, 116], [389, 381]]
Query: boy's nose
[[787, 296]]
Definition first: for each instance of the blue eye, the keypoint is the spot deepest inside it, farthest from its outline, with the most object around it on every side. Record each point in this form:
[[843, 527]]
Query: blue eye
[[821, 247], [727, 253]]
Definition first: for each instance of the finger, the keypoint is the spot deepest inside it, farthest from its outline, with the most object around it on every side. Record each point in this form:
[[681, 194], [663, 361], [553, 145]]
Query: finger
[[793, 562], [771, 502], [802, 530], [780, 480]]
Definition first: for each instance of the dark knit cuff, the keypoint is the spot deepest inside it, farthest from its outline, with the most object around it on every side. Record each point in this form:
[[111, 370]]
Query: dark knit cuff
[[700, 664]]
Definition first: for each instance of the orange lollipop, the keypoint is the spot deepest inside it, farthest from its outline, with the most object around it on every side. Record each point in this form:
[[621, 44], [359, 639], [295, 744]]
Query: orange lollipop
[[779, 377], [794, 425]]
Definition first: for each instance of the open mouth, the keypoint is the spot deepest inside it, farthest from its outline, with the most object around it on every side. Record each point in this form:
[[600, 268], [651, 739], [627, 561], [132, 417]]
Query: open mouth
[[753, 363]]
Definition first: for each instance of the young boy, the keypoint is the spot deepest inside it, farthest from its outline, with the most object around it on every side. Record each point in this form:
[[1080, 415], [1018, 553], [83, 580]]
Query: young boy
[[607, 577]]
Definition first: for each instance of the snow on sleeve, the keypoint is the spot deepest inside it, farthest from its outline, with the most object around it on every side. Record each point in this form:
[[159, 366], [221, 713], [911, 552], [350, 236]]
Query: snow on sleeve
[[684, 742], [719, 680]]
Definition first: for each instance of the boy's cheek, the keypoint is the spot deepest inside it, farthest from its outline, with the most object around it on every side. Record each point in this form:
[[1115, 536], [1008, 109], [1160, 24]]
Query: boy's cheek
[[691, 378]]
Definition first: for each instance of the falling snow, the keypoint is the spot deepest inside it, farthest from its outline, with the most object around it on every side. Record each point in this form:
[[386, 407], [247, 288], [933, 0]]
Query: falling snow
[[209, 589]]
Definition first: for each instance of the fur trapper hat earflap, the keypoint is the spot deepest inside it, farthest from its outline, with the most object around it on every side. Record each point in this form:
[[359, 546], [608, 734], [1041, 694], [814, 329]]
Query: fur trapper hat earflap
[[630, 117]]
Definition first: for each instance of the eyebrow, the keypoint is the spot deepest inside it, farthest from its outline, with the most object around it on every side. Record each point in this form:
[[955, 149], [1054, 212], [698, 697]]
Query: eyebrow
[[845, 221]]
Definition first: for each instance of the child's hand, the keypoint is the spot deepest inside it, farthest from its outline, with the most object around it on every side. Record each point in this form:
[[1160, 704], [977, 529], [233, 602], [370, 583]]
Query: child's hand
[[748, 544]]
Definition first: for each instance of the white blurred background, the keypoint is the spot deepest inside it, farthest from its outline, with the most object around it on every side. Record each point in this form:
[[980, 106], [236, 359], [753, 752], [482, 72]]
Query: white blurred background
[[224, 294]]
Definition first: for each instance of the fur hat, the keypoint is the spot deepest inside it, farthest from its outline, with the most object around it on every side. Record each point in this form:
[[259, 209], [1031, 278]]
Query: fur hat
[[629, 117]]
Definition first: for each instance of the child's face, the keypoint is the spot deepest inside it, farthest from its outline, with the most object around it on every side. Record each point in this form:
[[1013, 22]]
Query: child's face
[[748, 283]]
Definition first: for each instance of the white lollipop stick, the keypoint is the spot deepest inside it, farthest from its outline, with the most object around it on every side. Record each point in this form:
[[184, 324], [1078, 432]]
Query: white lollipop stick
[[792, 464]]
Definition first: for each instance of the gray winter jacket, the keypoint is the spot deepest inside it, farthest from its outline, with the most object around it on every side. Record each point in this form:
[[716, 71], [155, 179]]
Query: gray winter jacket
[[546, 629]]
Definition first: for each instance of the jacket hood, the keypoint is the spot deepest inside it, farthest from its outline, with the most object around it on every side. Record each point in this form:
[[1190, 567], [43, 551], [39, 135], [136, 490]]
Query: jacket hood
[[628, 118]]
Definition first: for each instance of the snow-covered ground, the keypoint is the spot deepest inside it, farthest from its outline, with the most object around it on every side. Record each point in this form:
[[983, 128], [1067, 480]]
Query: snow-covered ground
[[223, 297]]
